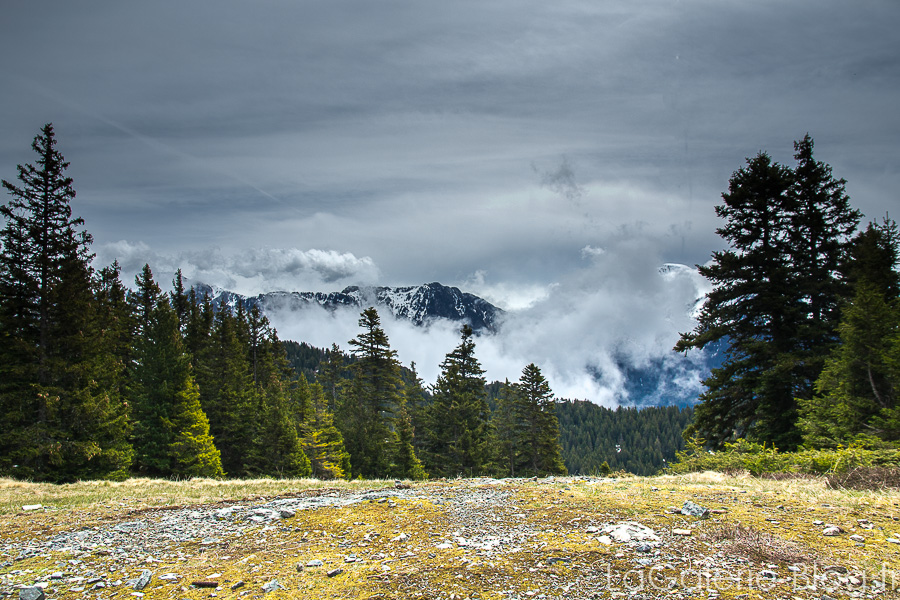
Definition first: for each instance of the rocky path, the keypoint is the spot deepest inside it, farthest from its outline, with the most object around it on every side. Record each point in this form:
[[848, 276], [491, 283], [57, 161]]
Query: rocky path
[[511, 539]]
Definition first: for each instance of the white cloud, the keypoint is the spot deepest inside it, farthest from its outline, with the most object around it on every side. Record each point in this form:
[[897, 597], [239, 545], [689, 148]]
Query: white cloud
[[620, 310], [506, 295], [251, 272]]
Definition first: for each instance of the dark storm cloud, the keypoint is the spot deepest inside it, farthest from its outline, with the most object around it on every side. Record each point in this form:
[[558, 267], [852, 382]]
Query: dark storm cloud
[[562, 181]]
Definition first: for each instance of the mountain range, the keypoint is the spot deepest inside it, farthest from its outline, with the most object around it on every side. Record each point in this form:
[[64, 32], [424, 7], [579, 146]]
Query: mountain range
[[418, 304], [664, 381]]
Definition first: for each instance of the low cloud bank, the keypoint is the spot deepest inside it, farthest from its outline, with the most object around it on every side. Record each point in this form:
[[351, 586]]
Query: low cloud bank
[[591, 332], [603, 332], [248, 272]]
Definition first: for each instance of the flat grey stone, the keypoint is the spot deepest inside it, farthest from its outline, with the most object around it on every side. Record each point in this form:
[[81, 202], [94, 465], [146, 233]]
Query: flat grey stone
[[31, 593]]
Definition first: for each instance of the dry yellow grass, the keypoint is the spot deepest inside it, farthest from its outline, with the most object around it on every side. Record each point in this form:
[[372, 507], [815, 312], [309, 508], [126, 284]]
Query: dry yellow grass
[[156, 492]]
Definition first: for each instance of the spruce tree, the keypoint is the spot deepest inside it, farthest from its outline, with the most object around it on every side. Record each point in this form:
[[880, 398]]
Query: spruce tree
[[458, 431], [198, 330], [171, 431], [404, 462], [321, 440], [367, 406], [278, 448], [114, 366], [507, 431], [857, 391], [145, 299], [541, 427], [821, 223], [59, 423], [330, 375], [181, 301], [873, 257], [751, 305], [416, 408], [277, 445], [774, 298], [227, 394], [526, 428]]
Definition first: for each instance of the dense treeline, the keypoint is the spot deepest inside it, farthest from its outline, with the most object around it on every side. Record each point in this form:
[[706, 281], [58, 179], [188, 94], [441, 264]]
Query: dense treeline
[[97, 381], [395, 426], [640, 441], [808, 304], [597, 440]]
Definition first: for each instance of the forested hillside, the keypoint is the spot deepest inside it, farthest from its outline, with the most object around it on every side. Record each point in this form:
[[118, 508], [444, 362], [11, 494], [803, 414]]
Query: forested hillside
[[637, 440], [596, 440]]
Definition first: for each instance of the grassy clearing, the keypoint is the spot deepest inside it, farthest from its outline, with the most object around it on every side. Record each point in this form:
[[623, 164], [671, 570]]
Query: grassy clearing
[[768, 523], [144, 493]]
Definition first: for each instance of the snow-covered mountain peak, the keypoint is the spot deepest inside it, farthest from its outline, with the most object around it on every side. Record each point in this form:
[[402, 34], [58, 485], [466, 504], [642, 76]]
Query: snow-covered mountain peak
[[418, 304]]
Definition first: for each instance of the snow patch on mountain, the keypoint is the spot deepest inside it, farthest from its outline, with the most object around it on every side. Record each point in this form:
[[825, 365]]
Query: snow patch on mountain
[[420, 305], [605, 336]]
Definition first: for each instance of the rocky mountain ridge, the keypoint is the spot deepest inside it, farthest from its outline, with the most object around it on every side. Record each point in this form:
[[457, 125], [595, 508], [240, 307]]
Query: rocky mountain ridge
[[418, 304]]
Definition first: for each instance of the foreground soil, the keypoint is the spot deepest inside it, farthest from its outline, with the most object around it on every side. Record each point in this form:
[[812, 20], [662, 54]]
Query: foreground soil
[[469, 538]]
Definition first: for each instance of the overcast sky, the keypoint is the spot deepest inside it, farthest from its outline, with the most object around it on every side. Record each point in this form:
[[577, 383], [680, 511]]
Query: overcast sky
[[497, 146]]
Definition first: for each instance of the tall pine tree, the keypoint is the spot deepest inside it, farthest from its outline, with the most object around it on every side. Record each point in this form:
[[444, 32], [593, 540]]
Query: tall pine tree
[[541, 427], [277, 444], [752, 305], [367, 406], [227, 393], [458, 432], [526, 428], [822, 222], [171, 431], [321, 440], [59, 424], [775, 296]]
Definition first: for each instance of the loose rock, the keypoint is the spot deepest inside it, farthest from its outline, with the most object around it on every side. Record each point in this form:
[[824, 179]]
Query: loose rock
[[694, 510], [272, 586], [31, 593], [142, 581], [631, 531]]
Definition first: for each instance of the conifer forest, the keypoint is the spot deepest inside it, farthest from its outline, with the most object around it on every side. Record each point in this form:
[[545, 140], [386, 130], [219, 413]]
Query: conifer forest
[[101, 380], [105, 379]]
